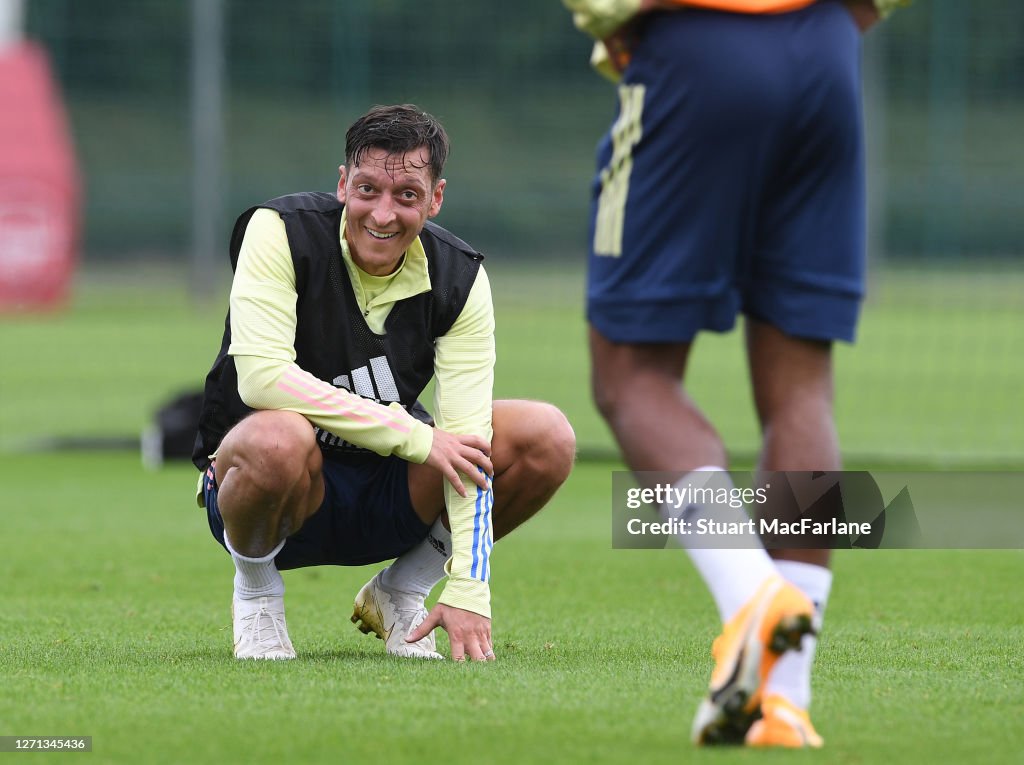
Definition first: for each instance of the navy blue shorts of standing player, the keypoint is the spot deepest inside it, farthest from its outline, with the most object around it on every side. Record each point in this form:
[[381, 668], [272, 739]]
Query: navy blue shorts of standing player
[[366, 516], [732, 179]]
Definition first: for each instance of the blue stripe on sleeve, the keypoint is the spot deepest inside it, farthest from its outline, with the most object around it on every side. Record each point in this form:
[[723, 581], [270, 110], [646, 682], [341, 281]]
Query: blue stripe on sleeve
[[488, 540], [476, 532]]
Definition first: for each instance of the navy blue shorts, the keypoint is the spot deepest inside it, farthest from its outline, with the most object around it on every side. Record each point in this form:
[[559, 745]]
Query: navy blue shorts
[[366, 516], [732, 179]]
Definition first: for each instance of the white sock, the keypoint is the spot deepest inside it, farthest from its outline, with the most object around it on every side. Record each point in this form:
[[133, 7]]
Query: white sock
[[419, 569], [732, 575], [791, 675], [256, 577]]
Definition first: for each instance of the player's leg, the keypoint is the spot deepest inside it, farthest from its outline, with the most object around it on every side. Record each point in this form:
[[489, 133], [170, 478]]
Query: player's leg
[[805, 292], [793, 394], [268, 470], [683, 173], [792, 382], [532, 449], [261, 488], [638, 389]]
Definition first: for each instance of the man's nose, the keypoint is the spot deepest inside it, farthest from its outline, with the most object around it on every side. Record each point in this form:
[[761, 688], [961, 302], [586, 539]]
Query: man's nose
[[384, 211]]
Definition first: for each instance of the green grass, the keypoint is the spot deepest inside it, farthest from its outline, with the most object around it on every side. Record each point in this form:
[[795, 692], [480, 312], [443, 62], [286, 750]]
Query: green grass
[[114, 623], [114, 610], [934, 380]]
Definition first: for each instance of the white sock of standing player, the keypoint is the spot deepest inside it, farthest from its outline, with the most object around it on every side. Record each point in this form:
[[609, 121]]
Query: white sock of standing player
[[732, 575], [791, 676], [422, 567]]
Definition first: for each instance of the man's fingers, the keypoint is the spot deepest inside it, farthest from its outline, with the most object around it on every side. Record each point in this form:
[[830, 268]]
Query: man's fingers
[[477, 442], [480, 479], [477, 644], [484, 463], [432, 620], [481, 650], [478, 455], [478, 468], [454, 454], [469, 634], [456, 481]]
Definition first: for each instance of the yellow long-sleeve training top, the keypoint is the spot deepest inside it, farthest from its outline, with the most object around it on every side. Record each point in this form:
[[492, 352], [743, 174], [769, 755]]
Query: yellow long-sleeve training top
[[263, 324]]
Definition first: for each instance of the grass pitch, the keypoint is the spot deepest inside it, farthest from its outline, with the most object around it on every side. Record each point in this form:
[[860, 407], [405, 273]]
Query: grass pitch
[[114, 615], [115, 624]]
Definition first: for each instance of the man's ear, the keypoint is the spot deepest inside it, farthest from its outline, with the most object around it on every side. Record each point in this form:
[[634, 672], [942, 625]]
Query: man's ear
[[341, 183], [436, 198]]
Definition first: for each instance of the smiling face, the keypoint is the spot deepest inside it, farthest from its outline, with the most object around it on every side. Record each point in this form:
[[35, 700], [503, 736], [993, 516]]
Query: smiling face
[[388, 198]]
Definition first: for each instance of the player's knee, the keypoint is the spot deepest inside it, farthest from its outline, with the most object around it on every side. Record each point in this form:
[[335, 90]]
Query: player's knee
[[603, 400], [609, 394], [274, 451], [552, 450]]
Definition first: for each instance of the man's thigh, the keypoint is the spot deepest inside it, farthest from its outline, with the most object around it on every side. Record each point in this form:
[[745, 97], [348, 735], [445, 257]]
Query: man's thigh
[[366, 515]]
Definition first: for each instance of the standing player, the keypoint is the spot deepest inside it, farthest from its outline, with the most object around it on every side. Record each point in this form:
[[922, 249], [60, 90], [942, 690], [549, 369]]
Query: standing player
[[732, 180], [313, 447]]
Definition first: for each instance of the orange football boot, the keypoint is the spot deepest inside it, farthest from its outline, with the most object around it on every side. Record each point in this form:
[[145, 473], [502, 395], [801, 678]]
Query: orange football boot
[[772, 622], [783, 724]]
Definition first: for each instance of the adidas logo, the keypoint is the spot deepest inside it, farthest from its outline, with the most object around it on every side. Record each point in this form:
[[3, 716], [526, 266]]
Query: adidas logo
[[374, 381], [437, 544]]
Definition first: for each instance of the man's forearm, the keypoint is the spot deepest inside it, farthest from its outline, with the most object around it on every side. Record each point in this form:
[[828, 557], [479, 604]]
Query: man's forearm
[[464, 370], [271, 384]]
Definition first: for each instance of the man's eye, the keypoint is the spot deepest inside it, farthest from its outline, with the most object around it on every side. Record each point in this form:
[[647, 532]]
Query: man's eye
[[364, 188]]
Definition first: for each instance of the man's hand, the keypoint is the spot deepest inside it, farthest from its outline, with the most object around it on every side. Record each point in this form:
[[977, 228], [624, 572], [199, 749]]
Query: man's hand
[[450, 454], [468, 633], [619, 43], [865, 14]]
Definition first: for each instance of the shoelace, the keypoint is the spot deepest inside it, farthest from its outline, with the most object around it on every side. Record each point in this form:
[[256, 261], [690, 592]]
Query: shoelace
[[266, 631]]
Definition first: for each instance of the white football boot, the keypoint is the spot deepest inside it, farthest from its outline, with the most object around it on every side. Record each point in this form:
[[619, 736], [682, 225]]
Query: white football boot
[[391, 615], [260, 629]]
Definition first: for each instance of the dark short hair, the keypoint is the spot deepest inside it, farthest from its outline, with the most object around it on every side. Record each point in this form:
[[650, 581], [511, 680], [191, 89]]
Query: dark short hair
[[398, 129]]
